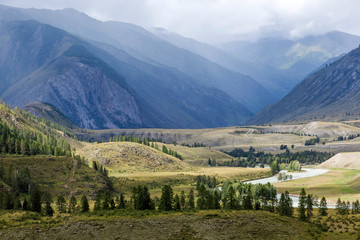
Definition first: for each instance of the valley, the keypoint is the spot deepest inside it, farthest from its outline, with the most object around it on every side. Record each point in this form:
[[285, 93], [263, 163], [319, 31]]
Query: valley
[[125, 129]]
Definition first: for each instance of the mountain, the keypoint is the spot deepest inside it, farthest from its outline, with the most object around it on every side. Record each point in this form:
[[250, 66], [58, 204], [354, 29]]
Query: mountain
[[41, 63], [270, 77], [291, 60], [149, 48], [331, 93], [45, 64]]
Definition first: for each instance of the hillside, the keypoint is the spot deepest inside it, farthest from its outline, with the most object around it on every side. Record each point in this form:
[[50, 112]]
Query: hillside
[[59, 175], [128, 156], [50, 113], [320, 129], [343, 160], [331, 93]]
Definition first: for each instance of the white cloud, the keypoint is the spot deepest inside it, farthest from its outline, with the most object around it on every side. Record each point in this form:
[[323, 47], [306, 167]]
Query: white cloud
[[221, 20]]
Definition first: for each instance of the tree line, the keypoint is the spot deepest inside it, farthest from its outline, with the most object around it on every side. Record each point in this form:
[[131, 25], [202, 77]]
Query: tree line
[[251, 158], [146, 141], [25, 142]]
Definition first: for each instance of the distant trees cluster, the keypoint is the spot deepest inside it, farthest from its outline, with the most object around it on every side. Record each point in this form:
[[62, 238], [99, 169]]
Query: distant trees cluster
[[342, 138], [344, 208], [171, 152], [312, 141], [251, 158], [146, 141], [98, 167], [194, 145], [132, 138]]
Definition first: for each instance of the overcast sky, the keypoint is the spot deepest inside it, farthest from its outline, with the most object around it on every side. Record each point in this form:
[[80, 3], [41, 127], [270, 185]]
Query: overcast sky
[[215, 21]]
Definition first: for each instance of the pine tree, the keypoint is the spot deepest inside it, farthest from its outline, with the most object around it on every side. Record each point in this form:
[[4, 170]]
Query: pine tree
[[309, 207], [72, 204], [166, 200], [122, 201], [84, 204], [302, 205], [97, 204], [61, 204], [201, 201], [25, 205], [106, 200], [247, 202], [35, 199], [339, 208], [177, 205], [323, 207], [217, 198], [282, 205], [17, 202], [230, 199], [48, 200], [191, 200], [182, 200], [112, 204]]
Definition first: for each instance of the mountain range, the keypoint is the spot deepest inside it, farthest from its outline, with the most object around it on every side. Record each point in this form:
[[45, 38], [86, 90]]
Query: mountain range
[[119, 75]]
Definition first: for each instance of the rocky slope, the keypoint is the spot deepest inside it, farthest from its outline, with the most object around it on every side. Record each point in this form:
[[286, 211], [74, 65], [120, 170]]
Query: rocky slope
[[331, 93]]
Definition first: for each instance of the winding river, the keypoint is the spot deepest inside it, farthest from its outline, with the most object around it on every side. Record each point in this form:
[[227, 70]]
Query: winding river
[[307, 172]]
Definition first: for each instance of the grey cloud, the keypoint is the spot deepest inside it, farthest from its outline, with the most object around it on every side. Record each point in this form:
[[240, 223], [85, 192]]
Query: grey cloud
[[221, 20]]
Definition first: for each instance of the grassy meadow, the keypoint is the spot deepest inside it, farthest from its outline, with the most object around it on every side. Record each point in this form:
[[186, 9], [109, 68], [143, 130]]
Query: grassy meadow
[[343, 183]]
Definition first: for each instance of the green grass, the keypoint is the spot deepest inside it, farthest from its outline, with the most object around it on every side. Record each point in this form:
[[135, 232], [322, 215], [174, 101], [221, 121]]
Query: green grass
[[212, 224]]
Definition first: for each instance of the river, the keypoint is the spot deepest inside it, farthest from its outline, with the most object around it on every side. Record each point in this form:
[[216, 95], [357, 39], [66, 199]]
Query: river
[[307, 172]]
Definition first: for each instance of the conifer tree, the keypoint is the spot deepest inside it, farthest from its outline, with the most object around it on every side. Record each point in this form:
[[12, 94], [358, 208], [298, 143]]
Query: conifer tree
[[323, 207], [309, 207], [25, 205], [191, 200], [35, 199], [166, 200], [61, 204], [72, 204], [122, 201], [97, 204], [106, 200], [302, 205], [177, 205], [48, 200], [230, 199], [182, 200], [84, 204]]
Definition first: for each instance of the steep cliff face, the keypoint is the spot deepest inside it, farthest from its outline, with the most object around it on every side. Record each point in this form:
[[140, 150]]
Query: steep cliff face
[[331, 93], [41, 63]]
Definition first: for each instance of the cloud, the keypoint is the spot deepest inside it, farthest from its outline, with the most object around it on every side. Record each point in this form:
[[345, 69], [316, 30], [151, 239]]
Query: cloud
[[221, 20]]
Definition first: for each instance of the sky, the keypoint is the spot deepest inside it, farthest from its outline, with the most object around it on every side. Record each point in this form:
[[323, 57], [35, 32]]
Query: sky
[[217, 21]]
